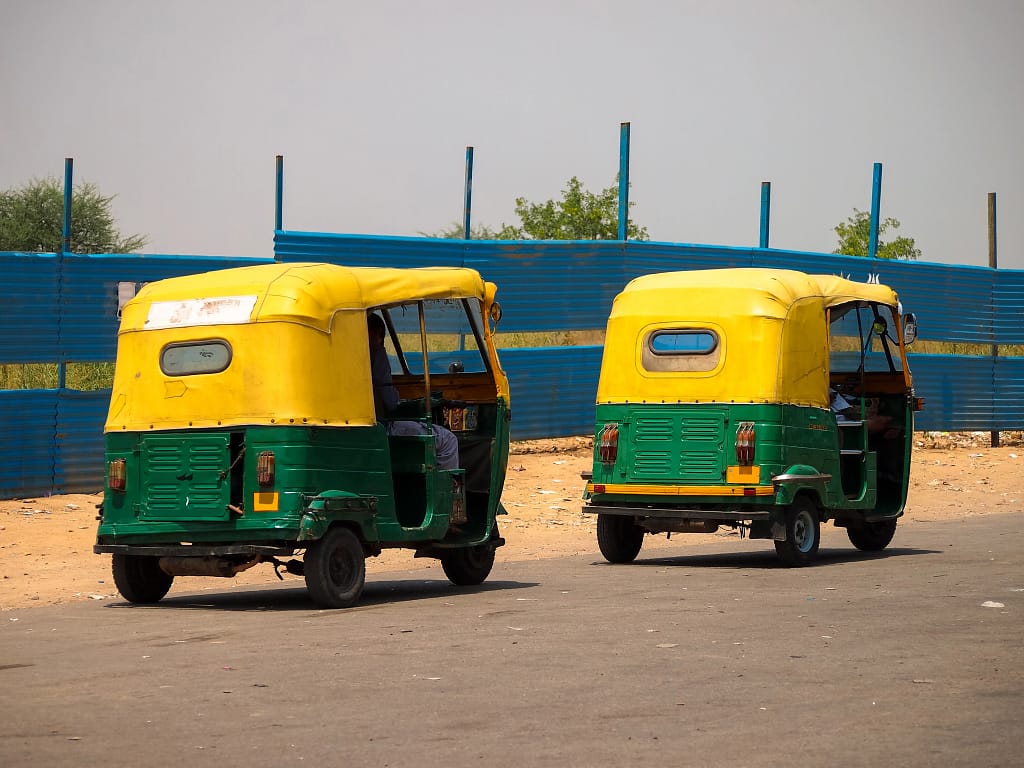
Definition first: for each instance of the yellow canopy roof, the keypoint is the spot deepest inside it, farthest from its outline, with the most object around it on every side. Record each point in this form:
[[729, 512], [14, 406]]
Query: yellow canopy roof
[[728, 291], [295, 334], [770, 326], [305, 293]]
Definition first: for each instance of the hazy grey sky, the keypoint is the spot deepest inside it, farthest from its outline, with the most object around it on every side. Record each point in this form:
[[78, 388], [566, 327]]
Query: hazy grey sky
[[180, 107]]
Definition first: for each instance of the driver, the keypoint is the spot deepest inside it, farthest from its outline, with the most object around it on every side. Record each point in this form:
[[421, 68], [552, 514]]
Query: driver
[[385, 400]]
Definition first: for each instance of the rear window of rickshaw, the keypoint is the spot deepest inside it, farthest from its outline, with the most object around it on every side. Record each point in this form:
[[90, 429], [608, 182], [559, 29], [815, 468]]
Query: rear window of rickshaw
[[195, 357], [681, 349]]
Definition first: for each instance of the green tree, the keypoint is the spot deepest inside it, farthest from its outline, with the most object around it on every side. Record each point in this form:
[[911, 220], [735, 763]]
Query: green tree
[[579, 215], [455, 229], [32, 220], [855, 235]]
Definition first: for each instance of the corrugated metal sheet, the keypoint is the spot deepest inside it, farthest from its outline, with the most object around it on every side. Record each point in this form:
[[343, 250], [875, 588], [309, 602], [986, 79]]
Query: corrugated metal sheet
[[543, 286], [1008, 394], [546, 286], [553, 390], [79, 461], [28, 321], [90, 294], [957, 392], [1008, 300], [28, 420], [368, 250], [952, 303], [647, 258]]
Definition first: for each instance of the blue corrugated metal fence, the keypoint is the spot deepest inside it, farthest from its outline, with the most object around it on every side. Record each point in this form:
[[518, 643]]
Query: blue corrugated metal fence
[[53, 438]]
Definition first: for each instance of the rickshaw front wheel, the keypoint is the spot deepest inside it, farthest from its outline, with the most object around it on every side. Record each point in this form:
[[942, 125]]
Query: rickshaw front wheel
[[468, 566], [803, 533], [872, 537], [619, 538], [139, 578], [335, 569]]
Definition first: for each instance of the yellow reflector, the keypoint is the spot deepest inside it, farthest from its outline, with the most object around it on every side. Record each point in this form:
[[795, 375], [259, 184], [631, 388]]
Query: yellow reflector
[[746, 475], [265, 501]]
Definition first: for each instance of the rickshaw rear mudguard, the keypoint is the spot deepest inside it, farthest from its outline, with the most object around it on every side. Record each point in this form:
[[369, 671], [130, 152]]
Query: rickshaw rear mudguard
[[801, 478], [338, 506]]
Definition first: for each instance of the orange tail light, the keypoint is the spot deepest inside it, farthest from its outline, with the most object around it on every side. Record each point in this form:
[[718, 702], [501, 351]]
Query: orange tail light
[[608, 448], [265, 469], [117, 475], [746, 436]]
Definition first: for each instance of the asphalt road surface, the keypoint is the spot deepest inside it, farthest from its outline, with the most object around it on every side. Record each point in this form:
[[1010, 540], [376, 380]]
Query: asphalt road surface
[[713, 656]]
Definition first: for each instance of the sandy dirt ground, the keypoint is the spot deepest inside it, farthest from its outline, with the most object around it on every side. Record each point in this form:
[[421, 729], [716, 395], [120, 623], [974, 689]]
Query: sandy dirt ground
[[46, 555]]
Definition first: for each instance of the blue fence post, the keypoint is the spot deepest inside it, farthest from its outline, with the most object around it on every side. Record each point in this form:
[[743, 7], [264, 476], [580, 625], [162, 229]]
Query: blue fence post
[[279, 193], [467, 204], [876, 205], [766, 207], [993, 262], [623, 180], [65, 247]]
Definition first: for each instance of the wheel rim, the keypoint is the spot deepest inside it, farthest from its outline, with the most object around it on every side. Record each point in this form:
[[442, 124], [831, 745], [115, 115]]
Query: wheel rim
[[477, 557], [340, 569], [803, 532]]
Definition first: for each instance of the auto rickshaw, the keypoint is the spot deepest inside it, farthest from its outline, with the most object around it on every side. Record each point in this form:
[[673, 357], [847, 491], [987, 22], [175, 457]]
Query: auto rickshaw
[[242, 427], [716, 406]]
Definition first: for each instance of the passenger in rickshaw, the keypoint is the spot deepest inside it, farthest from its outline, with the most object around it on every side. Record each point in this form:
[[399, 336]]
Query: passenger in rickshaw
[[385, 400]]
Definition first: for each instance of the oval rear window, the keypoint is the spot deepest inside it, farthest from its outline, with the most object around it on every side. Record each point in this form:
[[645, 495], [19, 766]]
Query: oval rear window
[[188, 358], [683, 342]]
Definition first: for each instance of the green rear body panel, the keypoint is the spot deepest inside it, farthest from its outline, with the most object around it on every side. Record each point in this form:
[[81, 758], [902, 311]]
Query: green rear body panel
[[693, 445], [199, 486]]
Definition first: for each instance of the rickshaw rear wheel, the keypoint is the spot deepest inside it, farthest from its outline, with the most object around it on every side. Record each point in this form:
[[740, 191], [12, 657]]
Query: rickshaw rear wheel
[[468, 566], [335, 569], [619, 538], [139, 578], [872, 537], [803, 533]]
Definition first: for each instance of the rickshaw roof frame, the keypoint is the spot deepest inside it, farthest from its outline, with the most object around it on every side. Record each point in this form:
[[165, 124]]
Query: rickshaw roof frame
[[661, 291], [309, 293], [774, 335]]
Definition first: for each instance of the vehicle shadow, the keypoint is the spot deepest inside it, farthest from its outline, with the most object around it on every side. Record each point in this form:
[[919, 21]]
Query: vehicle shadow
[[767, 559], [294, 596]]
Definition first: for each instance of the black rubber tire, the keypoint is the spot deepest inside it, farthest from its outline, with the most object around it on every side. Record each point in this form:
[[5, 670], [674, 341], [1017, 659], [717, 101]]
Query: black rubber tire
[[872, 537], [803, 533], [335, 569], [140, 579], [468, 566], [619, 538]]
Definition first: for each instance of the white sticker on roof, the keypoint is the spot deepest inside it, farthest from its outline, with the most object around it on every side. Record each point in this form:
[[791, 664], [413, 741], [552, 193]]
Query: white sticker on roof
[[219, 310]]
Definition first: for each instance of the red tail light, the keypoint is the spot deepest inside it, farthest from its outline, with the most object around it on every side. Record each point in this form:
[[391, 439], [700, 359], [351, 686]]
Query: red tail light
[[265, 468], [608, 447], [746, 436], [117, 475]]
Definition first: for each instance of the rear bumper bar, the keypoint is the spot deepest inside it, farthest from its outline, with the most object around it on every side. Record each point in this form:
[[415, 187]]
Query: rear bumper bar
[[677, 513], [192, 550]]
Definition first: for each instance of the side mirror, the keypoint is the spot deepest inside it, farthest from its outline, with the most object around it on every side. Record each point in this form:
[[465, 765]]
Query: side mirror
[[495, 314], [909, 328]]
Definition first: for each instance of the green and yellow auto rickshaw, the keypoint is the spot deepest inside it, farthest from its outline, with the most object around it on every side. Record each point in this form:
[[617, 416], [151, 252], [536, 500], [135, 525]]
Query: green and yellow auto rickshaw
[[242, 427], [765, 400]]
